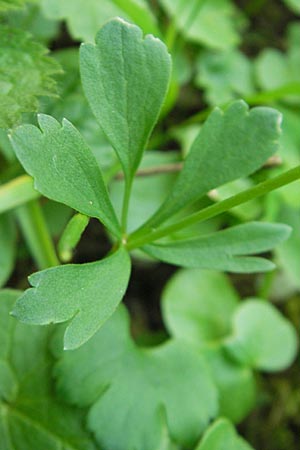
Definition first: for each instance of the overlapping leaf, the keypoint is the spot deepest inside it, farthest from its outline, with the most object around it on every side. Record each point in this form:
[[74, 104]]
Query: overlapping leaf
[[231, 144], [192, 308], [138, 397], [201, 307], [125, 79], [221, 435], [66, 170], [85, 17], [225, 250], [31, 418], [86, 294], [25, 73], [262, 338]]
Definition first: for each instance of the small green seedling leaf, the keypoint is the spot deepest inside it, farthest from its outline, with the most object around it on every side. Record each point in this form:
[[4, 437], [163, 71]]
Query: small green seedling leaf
[[221, 435], [138, 397], [71, 236], [85, 294], [262, 338], [232, 144], [225, 250], [198, 305], [65, 170], [26, 72], [31, 417], [125, 79]]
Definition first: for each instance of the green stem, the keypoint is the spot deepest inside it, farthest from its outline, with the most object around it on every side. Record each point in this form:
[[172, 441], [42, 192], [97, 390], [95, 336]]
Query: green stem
[[171, 35], [266, 285], [144, 236], [125, 207], [36, 234]]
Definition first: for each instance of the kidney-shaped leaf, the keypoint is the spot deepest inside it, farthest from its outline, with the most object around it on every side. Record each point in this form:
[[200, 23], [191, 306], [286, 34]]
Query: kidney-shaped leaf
[[262, 337], [221, 435], [85, 294], [31, 417], [231, 144], [138, 397], [225, 250], [198, 305], [125, 78], [64, 168]]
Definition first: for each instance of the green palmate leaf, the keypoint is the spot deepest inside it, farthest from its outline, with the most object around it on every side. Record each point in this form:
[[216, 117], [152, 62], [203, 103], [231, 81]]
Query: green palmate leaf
[[66, 170], [138, 396], [85, 294], [262, 338], [221, 435], [85, 17], [125, 79], [7, 247], [225, 250], [232, 144], [25, 73], [205, 22], [31, 418], [192, 308]]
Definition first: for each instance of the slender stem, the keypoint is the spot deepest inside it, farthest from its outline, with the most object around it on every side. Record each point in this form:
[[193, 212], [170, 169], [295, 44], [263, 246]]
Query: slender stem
[[175, 167], [34, 229], [125, 207], [266, 285], [171, 35], [144, 235]]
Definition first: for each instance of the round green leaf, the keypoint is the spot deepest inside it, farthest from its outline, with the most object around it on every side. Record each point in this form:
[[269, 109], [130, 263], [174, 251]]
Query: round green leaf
[[198, 305], [262, 337], [221, 435]]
